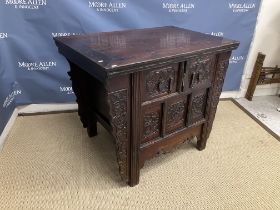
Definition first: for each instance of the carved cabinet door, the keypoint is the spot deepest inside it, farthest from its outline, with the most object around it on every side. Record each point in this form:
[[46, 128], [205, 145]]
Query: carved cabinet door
[[197, 106], [175, 110], [174, 96], [151, 122]]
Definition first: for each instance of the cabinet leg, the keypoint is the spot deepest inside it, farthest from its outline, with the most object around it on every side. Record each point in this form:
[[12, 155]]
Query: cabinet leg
[[134, 179], [202, 138], [82, 114], [201, 144], [92, 127]]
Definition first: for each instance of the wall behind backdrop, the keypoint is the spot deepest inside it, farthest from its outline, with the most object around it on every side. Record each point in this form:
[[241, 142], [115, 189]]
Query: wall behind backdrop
[[32, 71]]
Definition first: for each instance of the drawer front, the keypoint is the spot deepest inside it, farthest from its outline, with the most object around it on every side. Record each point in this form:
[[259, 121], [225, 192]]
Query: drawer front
[[200, 70], [159, 82]]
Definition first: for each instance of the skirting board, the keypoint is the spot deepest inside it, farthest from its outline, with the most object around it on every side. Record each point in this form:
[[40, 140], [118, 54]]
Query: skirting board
[[259, 92], [230, 94], [41, 108], [8, 128]]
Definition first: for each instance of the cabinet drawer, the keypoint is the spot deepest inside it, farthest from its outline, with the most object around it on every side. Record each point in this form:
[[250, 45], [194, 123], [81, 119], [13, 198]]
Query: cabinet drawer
[[200, 70], [159, 82]]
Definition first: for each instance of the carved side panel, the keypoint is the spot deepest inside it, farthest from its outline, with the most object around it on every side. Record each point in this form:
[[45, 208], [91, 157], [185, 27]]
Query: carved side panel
[[119, 106], [159, 82], [151, 122], [200, 70], [214, 95]]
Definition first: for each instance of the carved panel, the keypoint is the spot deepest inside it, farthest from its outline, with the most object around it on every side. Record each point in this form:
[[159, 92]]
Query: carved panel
[[200, 70], [198, 107], [118, 106], [175, 116], [214, 96], [175, 112], [198, 104], [151, 124], [159, 82]]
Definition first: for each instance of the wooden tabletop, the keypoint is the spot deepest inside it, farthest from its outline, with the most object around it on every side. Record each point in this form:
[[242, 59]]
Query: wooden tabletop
[[112, 50]]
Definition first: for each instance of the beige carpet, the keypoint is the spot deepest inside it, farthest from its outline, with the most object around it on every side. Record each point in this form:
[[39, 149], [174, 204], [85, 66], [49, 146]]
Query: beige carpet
[[48, 162]]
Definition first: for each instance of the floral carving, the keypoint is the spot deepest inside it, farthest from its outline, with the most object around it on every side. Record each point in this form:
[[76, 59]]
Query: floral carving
[[151, 124], [214, 96], [159, 81], [175, 113], [200, 70], [118, 105], [198, 104]]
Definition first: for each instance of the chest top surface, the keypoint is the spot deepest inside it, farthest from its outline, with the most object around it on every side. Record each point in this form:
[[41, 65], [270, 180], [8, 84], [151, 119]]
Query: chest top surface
[[118, 49]]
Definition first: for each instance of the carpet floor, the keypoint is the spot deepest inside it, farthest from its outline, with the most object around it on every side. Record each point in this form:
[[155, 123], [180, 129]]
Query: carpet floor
[[48, 162]]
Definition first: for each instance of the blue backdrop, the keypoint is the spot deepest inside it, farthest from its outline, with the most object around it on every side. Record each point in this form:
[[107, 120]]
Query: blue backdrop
[[32, 70]]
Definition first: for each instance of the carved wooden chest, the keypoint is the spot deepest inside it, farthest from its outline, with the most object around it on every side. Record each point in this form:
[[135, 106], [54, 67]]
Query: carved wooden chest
[[151, 88]]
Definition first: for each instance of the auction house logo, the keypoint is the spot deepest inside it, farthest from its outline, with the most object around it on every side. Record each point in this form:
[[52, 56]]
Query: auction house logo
[[239, 8], [59, 34], [219, 33], [236, 59], [111, 7], [178, 7], [11, 97], [37, 66], [66, 89], [3, 35], [26, 4]]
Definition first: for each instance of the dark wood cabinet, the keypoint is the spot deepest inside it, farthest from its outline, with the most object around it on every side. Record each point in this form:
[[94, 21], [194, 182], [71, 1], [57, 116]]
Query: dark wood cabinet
[[152, 89]]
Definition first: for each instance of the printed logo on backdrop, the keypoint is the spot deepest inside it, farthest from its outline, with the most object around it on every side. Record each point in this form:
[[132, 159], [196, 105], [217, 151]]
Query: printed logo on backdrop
[[218, 33], [26, 4], [60, 34], [236, 59], [10, 98], [12, 95], [66, 89], [3, 35], [241, 7], [109, 7], [174, 7], [37, 66]]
